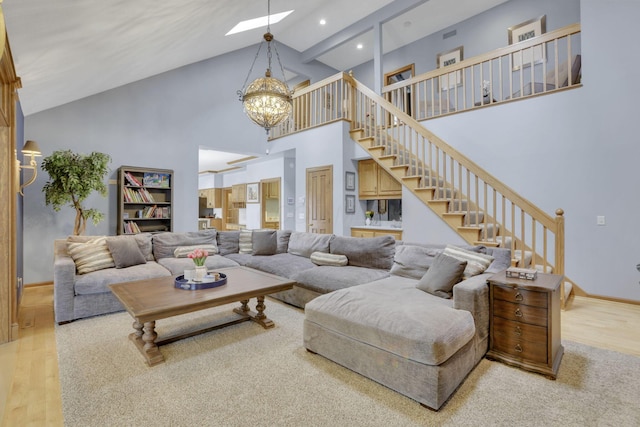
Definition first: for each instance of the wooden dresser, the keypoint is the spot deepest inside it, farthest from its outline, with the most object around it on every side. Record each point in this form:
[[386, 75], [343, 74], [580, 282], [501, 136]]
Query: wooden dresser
[[525, 322]]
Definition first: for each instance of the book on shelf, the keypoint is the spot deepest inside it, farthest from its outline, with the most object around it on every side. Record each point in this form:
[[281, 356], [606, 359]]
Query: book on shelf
[[137, 196], [132, 180], [130, 227]]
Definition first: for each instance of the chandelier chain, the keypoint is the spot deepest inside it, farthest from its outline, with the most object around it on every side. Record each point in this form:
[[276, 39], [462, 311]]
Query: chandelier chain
[[244, 85]]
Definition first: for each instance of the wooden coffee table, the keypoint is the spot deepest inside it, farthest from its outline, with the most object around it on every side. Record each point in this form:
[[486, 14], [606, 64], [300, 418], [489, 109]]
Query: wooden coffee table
[[150, 300]]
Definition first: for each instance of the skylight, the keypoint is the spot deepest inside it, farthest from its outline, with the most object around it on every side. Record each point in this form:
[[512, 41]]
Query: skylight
[[250, 24]]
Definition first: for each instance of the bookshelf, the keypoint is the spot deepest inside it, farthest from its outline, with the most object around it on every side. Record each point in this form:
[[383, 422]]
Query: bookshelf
[[145, 198]]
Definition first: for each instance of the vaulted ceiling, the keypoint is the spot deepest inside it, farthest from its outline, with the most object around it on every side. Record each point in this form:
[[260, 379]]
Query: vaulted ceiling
[[65, 50]]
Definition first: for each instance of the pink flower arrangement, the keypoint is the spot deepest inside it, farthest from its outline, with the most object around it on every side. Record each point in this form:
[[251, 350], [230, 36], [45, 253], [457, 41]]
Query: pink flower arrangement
[[198, 256]]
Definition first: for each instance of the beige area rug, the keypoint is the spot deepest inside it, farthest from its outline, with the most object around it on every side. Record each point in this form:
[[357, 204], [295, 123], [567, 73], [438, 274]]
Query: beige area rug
[[245, 375]]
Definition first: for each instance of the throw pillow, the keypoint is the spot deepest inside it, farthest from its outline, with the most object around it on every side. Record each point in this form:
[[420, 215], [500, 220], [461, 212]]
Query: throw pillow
[[125, 251], [476, 262], [90, 256], [413, 261], [283, 241], [304, 244], [183, 251], [445, 271], [375, 252], [323, 258], [228, 242], [264, 242], [245, 242]]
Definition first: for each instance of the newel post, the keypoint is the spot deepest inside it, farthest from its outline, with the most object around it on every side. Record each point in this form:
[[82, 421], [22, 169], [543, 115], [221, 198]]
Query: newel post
[[559, 250]]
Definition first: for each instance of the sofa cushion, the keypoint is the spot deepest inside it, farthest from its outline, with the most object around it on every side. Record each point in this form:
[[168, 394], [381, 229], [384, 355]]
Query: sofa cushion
[[304, 244], [413, 261], [476, 262], [376, 252], [125, 251], [92, 255], [283, 265], [179, 265], [323, 258], [264, 242], [283, 241], [323, 279], [245, 244], [393, 315], [97, 281], [228, 242], [241, 259], [164, 244], [445, 271], [184, 251]]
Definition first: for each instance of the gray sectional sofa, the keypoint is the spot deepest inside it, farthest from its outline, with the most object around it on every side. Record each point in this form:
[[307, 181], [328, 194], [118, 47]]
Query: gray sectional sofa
[[367, 306]]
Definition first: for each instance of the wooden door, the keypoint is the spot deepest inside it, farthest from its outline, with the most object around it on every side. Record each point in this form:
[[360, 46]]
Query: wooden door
[[388, 186], [226, 207], [320, 200]]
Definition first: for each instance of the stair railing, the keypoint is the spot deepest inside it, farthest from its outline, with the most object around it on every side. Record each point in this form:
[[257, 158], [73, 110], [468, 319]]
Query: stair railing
[[474, 203]]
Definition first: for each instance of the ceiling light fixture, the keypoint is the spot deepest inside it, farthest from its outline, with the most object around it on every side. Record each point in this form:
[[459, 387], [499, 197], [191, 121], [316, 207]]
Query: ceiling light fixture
[[323, 22], [359, 46], [267, 101]]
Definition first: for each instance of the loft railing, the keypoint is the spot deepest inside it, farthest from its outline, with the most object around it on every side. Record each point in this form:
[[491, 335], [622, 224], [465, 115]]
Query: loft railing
[[543, 64]]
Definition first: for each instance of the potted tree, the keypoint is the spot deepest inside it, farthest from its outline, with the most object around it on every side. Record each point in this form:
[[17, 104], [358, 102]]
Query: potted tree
[[73, 178]]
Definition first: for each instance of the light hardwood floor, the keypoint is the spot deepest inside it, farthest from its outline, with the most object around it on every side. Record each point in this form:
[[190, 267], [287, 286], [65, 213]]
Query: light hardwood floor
[[30, 384]]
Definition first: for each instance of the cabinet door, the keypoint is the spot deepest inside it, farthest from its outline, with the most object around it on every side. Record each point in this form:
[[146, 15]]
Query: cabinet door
[[367, 179], [396, 234], [356, 232], [387, 185]]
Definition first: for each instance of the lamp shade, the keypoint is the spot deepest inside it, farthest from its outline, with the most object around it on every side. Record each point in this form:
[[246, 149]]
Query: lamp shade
[[31, 147]]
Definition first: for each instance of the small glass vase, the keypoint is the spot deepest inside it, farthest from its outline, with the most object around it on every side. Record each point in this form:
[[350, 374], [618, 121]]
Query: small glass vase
[[367, 221], [200, 272]]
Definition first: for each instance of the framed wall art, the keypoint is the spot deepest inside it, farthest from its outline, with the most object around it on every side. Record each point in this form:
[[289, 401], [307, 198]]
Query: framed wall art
[[445, 59], [253, 192], [525, 31], [350, 204], [350, 181]]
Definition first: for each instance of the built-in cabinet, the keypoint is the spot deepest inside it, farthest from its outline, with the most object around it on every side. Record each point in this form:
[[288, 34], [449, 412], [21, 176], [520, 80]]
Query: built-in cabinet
[[145, 197], [367, 232], [237, 201], [213, 196], [376, 183]]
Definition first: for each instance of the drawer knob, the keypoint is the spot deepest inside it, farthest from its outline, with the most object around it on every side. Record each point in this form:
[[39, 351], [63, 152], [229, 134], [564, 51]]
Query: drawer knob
[[519, 297], [518, 331], [518, 348], [518, 312]]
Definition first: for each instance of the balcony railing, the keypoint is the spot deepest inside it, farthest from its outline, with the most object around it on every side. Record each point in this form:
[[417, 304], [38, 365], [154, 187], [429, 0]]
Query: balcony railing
[[544, 64]]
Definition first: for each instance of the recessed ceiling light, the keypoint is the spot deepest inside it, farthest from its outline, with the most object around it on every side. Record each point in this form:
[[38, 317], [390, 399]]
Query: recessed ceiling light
[[359, 46], [250, 24], [323, 22]]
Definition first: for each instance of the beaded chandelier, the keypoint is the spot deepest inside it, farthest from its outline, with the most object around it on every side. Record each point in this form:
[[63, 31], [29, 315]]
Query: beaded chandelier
[[267, 100]]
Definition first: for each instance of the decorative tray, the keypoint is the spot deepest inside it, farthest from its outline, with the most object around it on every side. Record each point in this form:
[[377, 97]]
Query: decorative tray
[[209, 281]]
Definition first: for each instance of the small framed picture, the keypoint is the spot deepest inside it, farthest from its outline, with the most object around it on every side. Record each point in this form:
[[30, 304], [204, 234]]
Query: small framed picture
[[446, 59], [525, 31], [350, 203], [253, 192], [350, 181]]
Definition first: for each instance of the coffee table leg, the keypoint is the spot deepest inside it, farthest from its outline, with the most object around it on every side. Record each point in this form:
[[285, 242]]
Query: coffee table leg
[[260, 317], [144, 338]]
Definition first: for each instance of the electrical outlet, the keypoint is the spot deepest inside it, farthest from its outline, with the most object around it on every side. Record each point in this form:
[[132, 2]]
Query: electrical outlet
[[600, 220]]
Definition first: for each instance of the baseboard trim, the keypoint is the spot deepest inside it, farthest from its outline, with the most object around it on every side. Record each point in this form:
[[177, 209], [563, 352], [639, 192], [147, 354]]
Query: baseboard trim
[[35, 285]]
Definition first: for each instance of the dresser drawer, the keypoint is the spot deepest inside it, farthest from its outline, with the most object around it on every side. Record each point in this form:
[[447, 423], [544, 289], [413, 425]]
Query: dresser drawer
[[519, 330], [521, 296], [526, 350], [520, 312]]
